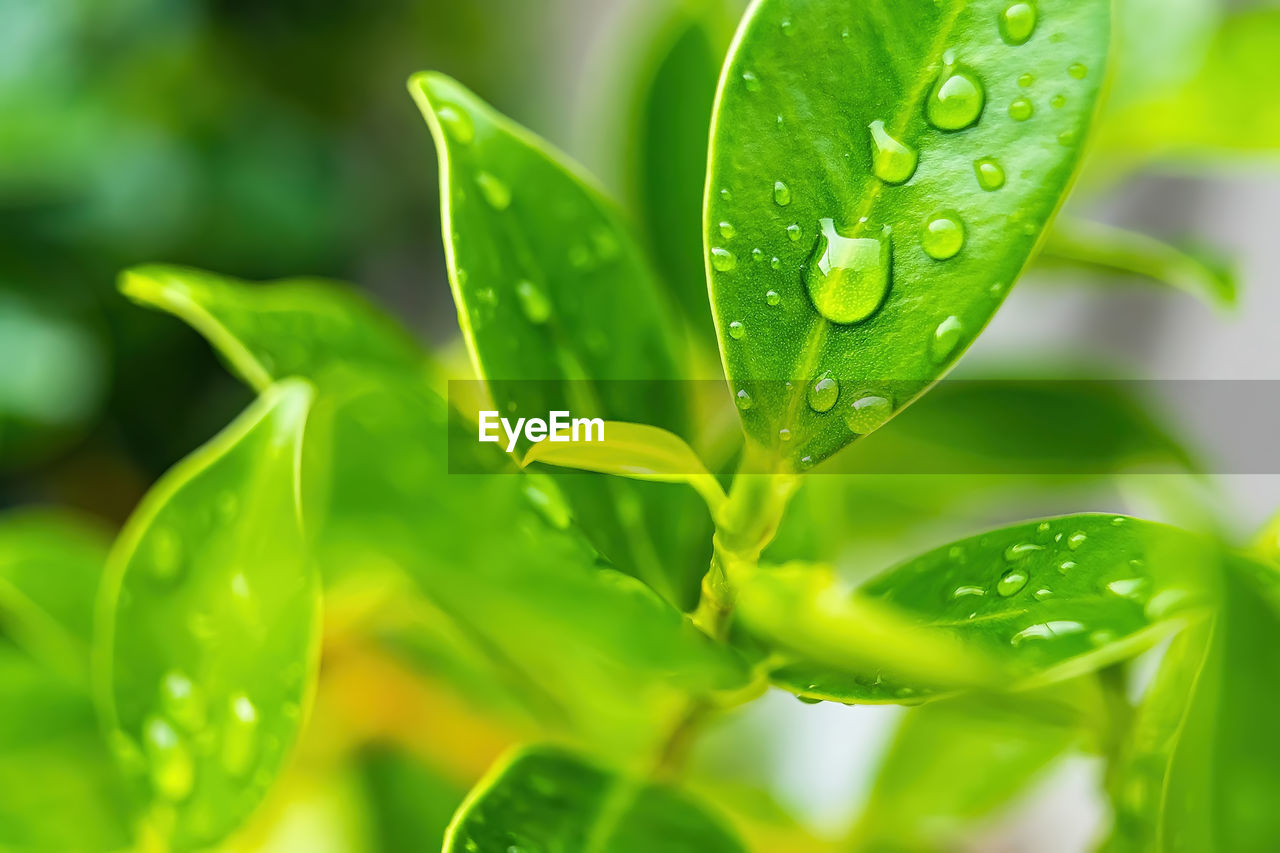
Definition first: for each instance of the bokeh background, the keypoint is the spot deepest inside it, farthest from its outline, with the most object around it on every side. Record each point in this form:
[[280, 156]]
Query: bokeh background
[[274, 138]]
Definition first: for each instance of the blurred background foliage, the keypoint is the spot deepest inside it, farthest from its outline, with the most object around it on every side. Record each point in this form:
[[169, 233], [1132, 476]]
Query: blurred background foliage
[[272, 139]]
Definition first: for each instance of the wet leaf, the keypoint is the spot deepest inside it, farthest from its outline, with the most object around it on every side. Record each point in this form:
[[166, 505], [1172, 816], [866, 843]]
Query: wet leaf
[[899, 160], [546, 799], [209, 626]]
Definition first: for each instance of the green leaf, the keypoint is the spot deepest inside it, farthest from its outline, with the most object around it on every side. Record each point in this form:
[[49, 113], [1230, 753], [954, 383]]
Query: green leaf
[[544, 799], [951, 763], [410, 804], [268, 332], [50, 565], [1107, 249], [209, 626], [859, 296], [1045, 600], [634, 450], [1199, 772]]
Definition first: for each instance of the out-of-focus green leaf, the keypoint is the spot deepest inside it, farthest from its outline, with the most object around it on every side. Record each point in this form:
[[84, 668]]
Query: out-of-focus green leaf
[[272, 331], [1199, 768], [1222, 106], [1093, 245], [50, 565], [1045, 600], [953, 762], [880, 174], [410, 804], [209, 626], [59, 789], [546, 799], [638, 451]]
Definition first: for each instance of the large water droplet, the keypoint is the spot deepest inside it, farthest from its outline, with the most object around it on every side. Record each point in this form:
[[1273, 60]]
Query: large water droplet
[[533, 302], [942, 237], [1021, 109], [968, 592], [848, 278], [1127, 587], [1047, 630], [169, 761], [457, 124], [727, 230], [1017, 23], [990, 173], [956, 100], [867, 413], [723, 260], [1075, 540], [1012, 582], [795, 232], [891, 161], [495, 192], [1078, 70], [737, 331], [240, 736], [772, 299], [824, 392], [781, 194], [945, 339], [1021, 551], [182, 701], [743, 400]]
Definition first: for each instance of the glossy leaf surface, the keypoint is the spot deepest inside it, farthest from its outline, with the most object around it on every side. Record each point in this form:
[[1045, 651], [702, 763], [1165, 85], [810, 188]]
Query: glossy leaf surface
[[1046, 600], [209, 626], [880, 174], [544, 799]]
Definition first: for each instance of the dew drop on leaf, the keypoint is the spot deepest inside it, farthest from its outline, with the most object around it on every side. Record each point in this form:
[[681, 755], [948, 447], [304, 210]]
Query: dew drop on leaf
[[752, 81], [776, 263], [1127, 587], [1047, 630], [1021, 109], [495, 192], [945, 338], [757, 255], [533, 302], [1042, 593], [727, 230], [990, 173], [1011, 583], [457, 124], [823, 393], [968, 592], [169, 760], [1017, 23], [848, 278], [891, 160], [1078, 70], [1025, 80], [1021, 551], [1067, 566], [240, 736], [781, 194], [723, 260], [784, 435], [772, 299], [743, 400], [182, 701], [956, 100], [1058, 101], [737, 331], [1075, 540], [795, 232], [867, 413], [942, 237]]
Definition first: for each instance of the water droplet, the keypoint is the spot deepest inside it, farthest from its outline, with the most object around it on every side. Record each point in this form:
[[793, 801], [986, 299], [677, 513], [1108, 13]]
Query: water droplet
[[752, 81], [757, 255], [533, 302], [942, 237], [1042, 593], [1047, 631], [1067, 138], [182, 701], [737, 331], [772, 299], [1017, 23], [1075, 540], [1127, 587], [968, 592], [1167, 601], [240, 736], [956, 100], [1012, 582], [945, 338], [1118, 521], [891, 160], [723, 260], [786, 26], [166, 554], [1067, 566], [781, 194], [990, 173], [172, 770], [867, 414], [1078, 70], [1021, 551], [457, 124], [727, 230], [776, 263], [495, 192], [1058, 101], [1021, 109], [726, 194], [806, 463], [1025, 80], [823, 393], [848, 278], [744, 400], [795, 232]]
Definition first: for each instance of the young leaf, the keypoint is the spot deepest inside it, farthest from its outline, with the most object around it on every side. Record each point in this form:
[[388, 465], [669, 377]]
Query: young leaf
[[1045, 600], [880, 173], [634, 450], [209, 626], [546, 799]]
